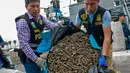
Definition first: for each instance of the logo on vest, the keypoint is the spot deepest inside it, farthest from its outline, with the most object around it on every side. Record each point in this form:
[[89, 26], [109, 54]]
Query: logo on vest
[[98, 23], [98, 17], [40, 21], [37, 31], [83, 16], [33, 24], [85, 22], [37, 36]]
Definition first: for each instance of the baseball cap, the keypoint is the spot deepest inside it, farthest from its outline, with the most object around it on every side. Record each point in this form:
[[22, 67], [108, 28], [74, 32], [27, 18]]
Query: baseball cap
[[122, 14]]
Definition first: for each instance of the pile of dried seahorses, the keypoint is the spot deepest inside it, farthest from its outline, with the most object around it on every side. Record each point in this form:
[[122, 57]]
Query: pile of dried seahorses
[[72, 54]]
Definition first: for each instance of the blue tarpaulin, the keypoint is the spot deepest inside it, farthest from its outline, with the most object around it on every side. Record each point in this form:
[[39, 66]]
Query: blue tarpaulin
[[93, 42], [45, 44]]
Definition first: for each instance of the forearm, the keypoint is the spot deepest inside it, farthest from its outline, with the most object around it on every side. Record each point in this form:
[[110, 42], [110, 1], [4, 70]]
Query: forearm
[[49, 24], [25, 47], [23, 33], [106, 46]]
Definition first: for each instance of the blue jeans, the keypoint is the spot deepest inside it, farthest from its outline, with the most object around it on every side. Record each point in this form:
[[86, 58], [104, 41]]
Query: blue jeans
[[31, 67]]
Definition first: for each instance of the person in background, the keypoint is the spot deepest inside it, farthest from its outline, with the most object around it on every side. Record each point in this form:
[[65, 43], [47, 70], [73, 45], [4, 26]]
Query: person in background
[[1, 45], [97, 22], [1, 42], [29, 27], [5, 63], [122, 19]]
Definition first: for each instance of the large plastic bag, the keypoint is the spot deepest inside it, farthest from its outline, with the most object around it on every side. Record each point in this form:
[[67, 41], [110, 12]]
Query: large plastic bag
[[3, 70], [118, 37], [96, 69], [14, 57], [121, 61], [58, 33], [93, 69]]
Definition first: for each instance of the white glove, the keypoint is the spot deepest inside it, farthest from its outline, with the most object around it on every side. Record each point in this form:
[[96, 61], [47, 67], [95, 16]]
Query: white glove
[[40, 62], [44, 55], [83, 29]]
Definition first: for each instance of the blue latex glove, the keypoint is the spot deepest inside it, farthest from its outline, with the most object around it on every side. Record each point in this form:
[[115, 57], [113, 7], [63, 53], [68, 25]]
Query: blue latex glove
[[102, 61]]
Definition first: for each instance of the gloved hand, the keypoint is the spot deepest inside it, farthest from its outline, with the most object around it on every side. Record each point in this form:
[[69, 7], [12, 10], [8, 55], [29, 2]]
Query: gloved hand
[[44, 55], [64, 21], [102, 61], [40, 62], [61, 22]]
